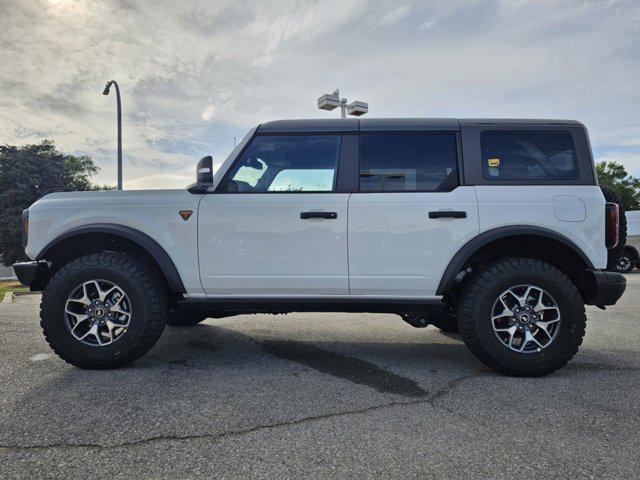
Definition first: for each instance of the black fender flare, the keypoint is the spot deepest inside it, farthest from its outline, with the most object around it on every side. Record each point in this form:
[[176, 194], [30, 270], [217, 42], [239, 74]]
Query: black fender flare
[[472, 246], [143, 240]]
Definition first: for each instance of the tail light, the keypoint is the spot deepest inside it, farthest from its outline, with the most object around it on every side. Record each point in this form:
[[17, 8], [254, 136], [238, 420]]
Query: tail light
[[612, 224]]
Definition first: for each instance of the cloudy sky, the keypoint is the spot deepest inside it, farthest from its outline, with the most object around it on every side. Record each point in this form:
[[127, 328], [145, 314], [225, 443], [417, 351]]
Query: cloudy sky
[[194, 74]]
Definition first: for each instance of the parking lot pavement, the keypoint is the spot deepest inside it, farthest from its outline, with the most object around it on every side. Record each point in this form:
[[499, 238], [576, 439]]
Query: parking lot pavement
[[317, 396]]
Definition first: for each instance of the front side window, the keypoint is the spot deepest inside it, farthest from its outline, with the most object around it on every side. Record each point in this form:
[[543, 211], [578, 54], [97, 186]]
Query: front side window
[[405, 162], [287, 163], [528, 155]]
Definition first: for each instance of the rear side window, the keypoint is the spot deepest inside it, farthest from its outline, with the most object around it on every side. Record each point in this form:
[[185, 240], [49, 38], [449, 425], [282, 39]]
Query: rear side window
[[528, 155], [408, 162]]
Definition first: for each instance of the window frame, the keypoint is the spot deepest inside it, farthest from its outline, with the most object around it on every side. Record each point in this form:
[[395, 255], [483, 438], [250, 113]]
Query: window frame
[[472, 154], [458, 161], [336, 180]]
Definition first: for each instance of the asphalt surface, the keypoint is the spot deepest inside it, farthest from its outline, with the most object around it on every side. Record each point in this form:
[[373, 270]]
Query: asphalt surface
[[319, 396]]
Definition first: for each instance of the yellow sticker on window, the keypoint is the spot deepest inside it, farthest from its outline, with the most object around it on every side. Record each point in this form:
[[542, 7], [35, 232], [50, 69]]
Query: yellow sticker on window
[[494, 162]]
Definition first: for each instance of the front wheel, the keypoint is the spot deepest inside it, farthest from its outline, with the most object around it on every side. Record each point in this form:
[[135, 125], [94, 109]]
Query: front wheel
[[522, 317], [103, 310]]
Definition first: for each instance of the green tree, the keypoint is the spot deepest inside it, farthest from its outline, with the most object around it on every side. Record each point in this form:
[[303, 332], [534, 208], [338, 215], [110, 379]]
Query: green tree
[[614, 176], [26, 174]]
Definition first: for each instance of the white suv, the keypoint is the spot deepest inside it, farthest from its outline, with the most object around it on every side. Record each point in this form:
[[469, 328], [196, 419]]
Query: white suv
[[494, 227]]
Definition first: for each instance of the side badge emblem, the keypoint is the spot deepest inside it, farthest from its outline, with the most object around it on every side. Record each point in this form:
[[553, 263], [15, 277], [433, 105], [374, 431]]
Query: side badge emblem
[[185, 214]]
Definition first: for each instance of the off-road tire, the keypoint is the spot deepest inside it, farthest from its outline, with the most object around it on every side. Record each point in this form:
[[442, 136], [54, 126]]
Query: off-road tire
[[474, 317], [185, 319], [149, 309]]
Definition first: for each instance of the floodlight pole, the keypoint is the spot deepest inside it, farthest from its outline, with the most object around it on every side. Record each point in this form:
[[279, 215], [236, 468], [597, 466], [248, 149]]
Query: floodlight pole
[[119, 106], [343, 108]]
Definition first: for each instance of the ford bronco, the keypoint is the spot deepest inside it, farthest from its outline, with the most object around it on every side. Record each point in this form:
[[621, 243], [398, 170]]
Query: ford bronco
[[493, 228]]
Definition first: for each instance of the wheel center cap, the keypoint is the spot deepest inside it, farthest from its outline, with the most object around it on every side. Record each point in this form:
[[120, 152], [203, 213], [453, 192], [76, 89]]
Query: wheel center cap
[[99, 312], [524, 318]]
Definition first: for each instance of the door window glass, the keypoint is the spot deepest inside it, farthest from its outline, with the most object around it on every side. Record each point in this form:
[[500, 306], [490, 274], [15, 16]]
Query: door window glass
[[287, 163], [405, 162]]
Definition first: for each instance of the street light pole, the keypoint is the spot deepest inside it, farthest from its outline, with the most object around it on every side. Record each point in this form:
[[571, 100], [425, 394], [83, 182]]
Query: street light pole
[[106, 92]]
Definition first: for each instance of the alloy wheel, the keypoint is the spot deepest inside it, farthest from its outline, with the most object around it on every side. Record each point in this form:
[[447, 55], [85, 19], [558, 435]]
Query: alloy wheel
[[98, 313], [525, 318]]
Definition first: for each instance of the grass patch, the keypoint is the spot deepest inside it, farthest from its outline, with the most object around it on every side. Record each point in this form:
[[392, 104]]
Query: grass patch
[[11, 286]]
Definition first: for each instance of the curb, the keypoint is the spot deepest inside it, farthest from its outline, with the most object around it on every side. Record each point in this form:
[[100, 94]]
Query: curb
[[8, 297]]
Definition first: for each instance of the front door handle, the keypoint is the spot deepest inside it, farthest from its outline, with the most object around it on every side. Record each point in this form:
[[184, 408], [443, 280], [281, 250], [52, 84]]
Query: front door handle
[[326, 215], [447, 214]]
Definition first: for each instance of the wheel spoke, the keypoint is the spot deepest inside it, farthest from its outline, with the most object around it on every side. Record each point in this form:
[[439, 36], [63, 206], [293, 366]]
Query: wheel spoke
[[544, 326], [516, 297], [116, 307], [110, 328], [92, 331], [84, 299], [79, 320], [541, 307], [506, 312], [531, 338], [102, 294], [511, 331]]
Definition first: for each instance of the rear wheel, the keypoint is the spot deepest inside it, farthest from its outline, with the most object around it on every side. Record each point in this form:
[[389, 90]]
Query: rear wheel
[[522, 317], [103, 310]]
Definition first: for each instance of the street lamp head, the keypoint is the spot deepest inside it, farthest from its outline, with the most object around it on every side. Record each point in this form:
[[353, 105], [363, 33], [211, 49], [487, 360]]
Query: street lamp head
[[357, 108], [329, 101], [107, 87]]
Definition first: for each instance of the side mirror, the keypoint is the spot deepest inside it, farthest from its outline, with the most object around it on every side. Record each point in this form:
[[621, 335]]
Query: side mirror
[[255, 163], [204, 172]]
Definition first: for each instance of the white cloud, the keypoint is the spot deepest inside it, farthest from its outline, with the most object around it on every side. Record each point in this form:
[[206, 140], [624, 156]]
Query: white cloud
[[208, 113], [194, 74], [394, 16]]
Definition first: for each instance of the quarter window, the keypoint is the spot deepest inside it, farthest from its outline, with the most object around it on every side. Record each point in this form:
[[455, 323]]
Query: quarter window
[[287, 163], [528, 155], [408, 162]]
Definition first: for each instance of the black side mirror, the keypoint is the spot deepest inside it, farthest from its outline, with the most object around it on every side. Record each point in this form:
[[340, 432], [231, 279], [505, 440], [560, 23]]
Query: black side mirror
[[204, 172], [254, 163]]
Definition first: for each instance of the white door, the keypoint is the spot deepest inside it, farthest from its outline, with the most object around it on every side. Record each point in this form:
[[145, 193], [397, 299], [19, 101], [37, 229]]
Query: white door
[[410, 217], [278, 228]]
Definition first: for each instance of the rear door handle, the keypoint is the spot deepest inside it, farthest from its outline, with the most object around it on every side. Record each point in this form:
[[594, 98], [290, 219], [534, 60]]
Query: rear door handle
[[447, 214], [327, 215]]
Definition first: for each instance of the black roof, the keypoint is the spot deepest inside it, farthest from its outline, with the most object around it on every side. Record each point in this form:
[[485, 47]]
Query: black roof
[[391, 124]]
